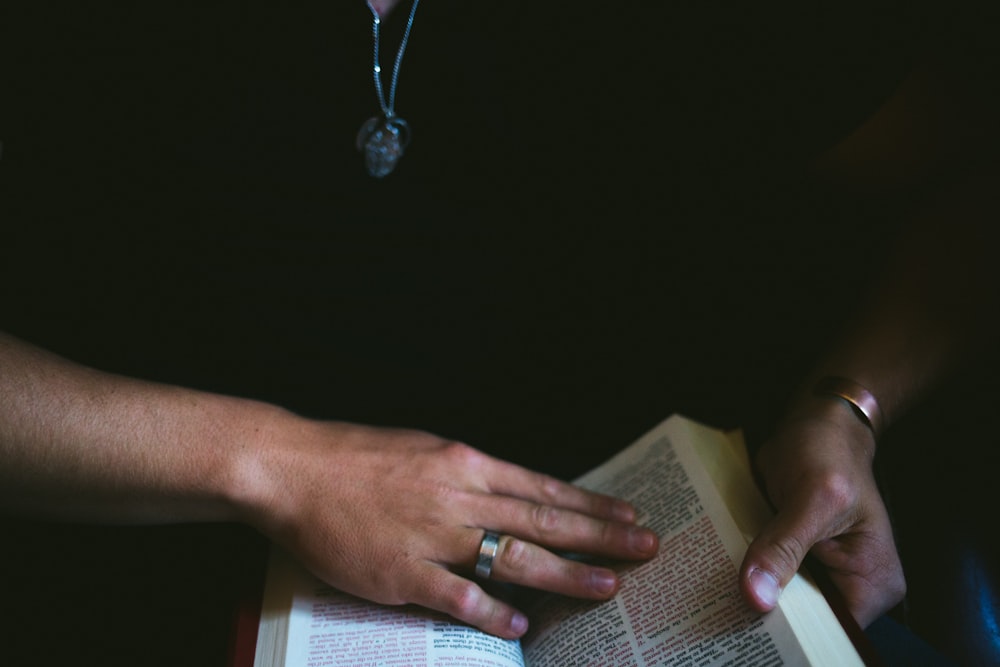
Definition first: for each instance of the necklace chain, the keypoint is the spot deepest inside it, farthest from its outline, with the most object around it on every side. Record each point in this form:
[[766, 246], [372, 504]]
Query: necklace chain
[[382, 139], [389, 108]]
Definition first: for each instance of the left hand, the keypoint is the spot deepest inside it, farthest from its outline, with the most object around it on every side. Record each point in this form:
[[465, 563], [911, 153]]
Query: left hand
[[397, 516], [818, 474]]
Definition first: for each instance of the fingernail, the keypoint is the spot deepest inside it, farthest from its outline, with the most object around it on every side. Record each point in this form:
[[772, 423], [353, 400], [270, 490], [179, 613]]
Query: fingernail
[[765, 587], [641, 540], [519, 624], [603, 581]]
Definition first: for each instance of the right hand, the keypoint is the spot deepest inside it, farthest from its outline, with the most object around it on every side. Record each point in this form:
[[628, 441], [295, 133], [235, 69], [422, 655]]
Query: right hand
[[397, 516], [818, 474]]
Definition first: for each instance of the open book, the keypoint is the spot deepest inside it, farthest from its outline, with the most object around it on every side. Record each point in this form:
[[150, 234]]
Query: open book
[[692, 485]]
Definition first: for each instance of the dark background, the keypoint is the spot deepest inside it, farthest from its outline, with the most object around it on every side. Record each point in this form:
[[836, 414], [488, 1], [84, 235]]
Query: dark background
[[601, 213], [605, 217]]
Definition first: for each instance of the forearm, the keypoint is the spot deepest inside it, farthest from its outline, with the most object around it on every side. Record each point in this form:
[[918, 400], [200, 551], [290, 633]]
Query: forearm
[[80, 444], [931, 148], [932, 313]]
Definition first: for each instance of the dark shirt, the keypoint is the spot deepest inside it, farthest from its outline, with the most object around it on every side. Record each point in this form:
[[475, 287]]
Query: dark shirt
[[601, 220]]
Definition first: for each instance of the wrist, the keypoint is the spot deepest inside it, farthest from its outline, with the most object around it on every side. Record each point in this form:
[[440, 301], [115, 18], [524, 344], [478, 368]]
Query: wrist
[[254, 449], [862, 402], [836, 413]]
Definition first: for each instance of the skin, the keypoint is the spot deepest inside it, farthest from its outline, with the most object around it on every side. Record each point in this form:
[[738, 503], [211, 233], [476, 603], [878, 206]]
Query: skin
[[817, 466], [931, 314], [818, 475], [391, 515], [394, 516], [383, 7], [85, 445]]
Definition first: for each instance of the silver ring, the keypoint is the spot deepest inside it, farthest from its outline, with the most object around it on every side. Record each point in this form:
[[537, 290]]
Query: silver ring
[[487, 552]]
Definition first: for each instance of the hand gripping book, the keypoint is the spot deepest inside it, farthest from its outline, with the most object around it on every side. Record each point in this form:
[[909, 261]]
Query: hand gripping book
[[692, 485]]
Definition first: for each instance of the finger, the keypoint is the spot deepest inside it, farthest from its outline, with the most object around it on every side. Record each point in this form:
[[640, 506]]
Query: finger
[[564, 529], [864, 565], [513, 480], [437, 588], [526, 564], [773, 558]]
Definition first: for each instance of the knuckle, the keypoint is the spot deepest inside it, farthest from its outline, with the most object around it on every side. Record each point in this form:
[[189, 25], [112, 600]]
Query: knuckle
[[465, 601], [897, 590], [837, 491], [788, 552], [894, 578], [462, 454], [609, 533], [581, 575], [545, 518], [551, 487], [514, 554]]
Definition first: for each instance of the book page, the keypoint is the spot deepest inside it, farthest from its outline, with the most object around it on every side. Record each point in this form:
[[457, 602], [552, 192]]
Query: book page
[[682, 607], [306, 623], [809, 615]]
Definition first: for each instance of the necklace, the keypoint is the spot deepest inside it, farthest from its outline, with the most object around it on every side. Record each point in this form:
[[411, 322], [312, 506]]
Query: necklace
[[383, 138]]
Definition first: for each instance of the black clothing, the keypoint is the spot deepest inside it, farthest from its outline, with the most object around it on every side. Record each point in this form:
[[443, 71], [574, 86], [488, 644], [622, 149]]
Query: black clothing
[[602, 219], [599, 221]]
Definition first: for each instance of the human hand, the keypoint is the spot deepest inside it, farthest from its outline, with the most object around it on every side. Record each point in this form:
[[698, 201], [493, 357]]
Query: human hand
[[818, 474], [397, 517]]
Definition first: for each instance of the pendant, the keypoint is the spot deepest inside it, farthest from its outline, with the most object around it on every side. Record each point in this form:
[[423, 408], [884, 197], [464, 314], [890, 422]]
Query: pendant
[[382, 140]]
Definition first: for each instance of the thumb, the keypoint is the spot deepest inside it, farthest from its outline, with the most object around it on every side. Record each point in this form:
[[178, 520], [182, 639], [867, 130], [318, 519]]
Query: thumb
[[773, 558]]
